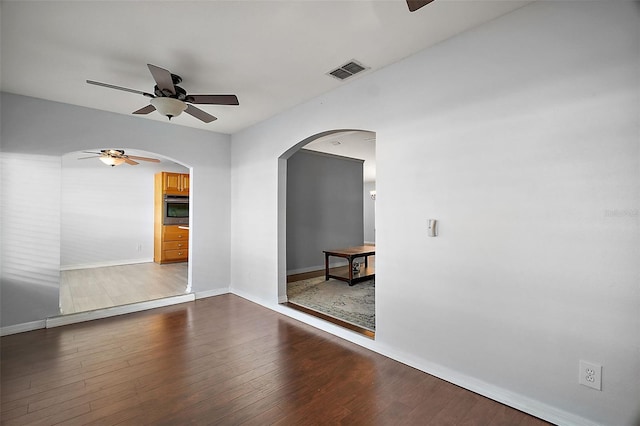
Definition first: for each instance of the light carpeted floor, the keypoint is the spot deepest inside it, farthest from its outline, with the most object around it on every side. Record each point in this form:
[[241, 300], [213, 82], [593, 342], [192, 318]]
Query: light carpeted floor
[[355, 304]]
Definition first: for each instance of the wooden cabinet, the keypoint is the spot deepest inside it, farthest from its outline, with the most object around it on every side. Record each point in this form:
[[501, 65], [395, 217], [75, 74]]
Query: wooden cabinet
[[171, 245], [175, 183]]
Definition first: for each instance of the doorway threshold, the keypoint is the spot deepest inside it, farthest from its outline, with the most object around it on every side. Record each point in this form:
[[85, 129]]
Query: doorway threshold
[[353, 327], [61, 320]]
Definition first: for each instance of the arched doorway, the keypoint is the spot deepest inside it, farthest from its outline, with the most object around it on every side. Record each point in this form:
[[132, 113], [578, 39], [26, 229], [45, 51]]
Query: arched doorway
[[325, 183], [106, 252]]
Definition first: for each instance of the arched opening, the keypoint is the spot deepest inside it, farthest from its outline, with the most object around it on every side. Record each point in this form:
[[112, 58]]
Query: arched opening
[[325, 206], [107, 234]]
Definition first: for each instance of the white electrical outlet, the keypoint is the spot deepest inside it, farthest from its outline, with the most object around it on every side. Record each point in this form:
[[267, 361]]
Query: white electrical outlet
[[590, 375]]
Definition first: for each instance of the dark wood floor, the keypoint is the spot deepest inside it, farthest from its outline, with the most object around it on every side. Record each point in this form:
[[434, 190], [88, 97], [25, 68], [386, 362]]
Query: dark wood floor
[[221, 360]]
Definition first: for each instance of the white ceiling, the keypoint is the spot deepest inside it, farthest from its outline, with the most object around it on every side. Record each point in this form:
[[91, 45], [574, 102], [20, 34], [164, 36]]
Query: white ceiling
[[352, 144], [272, 54]]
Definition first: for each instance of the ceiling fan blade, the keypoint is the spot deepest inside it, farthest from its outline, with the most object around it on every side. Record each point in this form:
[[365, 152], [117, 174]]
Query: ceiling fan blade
[[213, 99], [129, 161], [91, 152], [417, 4], [145, 110], [84, 158], [125, 89], [163, 78], [199, 114], [135, 157]]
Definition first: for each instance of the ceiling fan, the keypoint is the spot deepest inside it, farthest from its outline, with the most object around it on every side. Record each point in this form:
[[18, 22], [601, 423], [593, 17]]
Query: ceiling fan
[[170, 100], [417, 4], [115, 157]]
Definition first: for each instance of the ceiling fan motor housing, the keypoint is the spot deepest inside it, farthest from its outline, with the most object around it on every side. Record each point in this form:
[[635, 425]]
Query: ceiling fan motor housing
[[170, 100], [169, 106], [113, 152], [180, 93]]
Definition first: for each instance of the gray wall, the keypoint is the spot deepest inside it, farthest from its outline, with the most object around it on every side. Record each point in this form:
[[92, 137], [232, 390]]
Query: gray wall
[[369, 214], [324, 207]]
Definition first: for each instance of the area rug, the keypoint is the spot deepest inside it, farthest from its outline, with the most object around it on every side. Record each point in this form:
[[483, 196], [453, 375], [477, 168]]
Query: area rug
[[355, 304]]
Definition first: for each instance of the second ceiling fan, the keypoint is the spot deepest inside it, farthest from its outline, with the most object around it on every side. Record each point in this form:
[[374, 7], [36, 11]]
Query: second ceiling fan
[[115, 157], [170, 100]]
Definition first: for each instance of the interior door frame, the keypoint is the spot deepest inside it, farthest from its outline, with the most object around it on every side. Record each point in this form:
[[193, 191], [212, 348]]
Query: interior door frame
[[282, 205]]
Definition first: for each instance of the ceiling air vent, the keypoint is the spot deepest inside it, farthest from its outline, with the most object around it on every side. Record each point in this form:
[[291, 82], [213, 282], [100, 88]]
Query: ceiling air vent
[[347, 70]]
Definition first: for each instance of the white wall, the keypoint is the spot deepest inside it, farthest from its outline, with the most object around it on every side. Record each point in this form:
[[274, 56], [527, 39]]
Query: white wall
[[521, 137], [35, 127], [107, 213], [29, 236]]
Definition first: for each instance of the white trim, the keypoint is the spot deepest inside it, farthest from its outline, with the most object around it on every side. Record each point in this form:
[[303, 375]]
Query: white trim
[[501, 395], [283, 299], [520, 402], [332, 264], [21, 328], [211, 293], [117, 310], [104, 264], [318, 323], [109, 312], [305, 270]]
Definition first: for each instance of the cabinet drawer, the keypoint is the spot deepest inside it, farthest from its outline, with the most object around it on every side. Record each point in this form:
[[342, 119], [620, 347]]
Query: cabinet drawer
[[176, 255], [176, 245], [173, 233]]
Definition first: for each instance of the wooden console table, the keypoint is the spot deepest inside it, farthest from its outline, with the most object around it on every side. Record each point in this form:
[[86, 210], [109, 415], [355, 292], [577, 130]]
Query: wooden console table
[[351, 253]]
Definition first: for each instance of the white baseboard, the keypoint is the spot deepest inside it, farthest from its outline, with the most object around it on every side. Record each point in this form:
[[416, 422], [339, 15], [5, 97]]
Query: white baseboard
[[305, 270], [21, 328], [104, 264], [318, 323], [117, 310], [61, 320], [520, 402], [211, 293], [332, 264], [504, 396], [501, 395]]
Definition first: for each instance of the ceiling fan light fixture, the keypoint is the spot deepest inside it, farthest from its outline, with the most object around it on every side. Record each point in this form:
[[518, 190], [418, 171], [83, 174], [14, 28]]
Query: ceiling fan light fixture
[[170, 100], [169, 107], [111, 161]]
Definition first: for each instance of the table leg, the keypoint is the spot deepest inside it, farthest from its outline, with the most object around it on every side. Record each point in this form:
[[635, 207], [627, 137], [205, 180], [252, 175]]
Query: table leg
[[326, 267], [366, 261]]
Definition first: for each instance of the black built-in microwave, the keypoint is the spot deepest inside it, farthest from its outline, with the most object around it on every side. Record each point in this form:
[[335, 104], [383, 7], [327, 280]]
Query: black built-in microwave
[[175, 210]]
